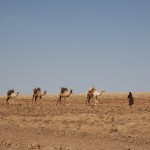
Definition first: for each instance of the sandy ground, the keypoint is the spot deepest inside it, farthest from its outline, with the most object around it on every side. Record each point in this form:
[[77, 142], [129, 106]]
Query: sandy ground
[[74, 126]]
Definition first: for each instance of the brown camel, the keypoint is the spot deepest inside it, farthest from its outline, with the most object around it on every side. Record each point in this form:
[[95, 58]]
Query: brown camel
[[90, 95], [37, 94], [64, 94], [11, 95]]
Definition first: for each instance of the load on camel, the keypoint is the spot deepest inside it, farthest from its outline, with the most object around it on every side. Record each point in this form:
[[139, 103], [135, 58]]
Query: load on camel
[[65, 94]]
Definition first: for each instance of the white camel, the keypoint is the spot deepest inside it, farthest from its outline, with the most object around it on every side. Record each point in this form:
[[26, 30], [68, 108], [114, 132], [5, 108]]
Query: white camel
[[11, 95], [94, 95]]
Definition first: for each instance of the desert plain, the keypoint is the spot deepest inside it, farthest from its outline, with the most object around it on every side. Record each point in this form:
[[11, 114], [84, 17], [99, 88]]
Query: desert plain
[[111, 125]]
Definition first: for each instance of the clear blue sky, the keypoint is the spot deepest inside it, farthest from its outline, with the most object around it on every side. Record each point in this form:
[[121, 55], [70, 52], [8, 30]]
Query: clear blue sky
[[75, 43]]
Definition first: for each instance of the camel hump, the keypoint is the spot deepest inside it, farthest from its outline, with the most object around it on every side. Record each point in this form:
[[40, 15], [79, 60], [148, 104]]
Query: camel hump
[[91, 90], [63, 89], [36, 89], [10, 92]]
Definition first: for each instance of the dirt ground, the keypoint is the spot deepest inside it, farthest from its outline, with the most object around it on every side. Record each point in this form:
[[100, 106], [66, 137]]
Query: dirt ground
[[110, 125]]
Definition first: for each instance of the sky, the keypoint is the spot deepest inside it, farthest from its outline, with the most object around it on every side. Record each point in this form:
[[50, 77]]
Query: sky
[[75, 44]]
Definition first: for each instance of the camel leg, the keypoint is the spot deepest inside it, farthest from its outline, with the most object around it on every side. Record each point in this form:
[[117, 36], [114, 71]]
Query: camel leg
[[32, 100], [89, 100], [13, 100], [96, 101], [96, 98], [86, 101], [68, 100], [35, 100], [33, 97], [7, 100], [58, 101], [64, 101], [41, 100]]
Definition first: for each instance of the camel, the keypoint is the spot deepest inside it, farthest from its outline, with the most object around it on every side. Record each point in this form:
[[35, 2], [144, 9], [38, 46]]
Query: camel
[[64, 94], [90, 94], [96, 94], [37, 94], [11, 95]]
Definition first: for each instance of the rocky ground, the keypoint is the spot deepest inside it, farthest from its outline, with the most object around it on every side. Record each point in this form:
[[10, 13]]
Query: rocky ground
[[74, 126]]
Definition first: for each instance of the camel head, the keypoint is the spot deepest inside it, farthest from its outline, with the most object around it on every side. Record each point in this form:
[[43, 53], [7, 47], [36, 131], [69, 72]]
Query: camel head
[[102, 91], [45, 92], [71, 91]]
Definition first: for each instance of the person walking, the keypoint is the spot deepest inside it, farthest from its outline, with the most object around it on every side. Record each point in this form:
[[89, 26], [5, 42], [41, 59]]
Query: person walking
[[131, 100]]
